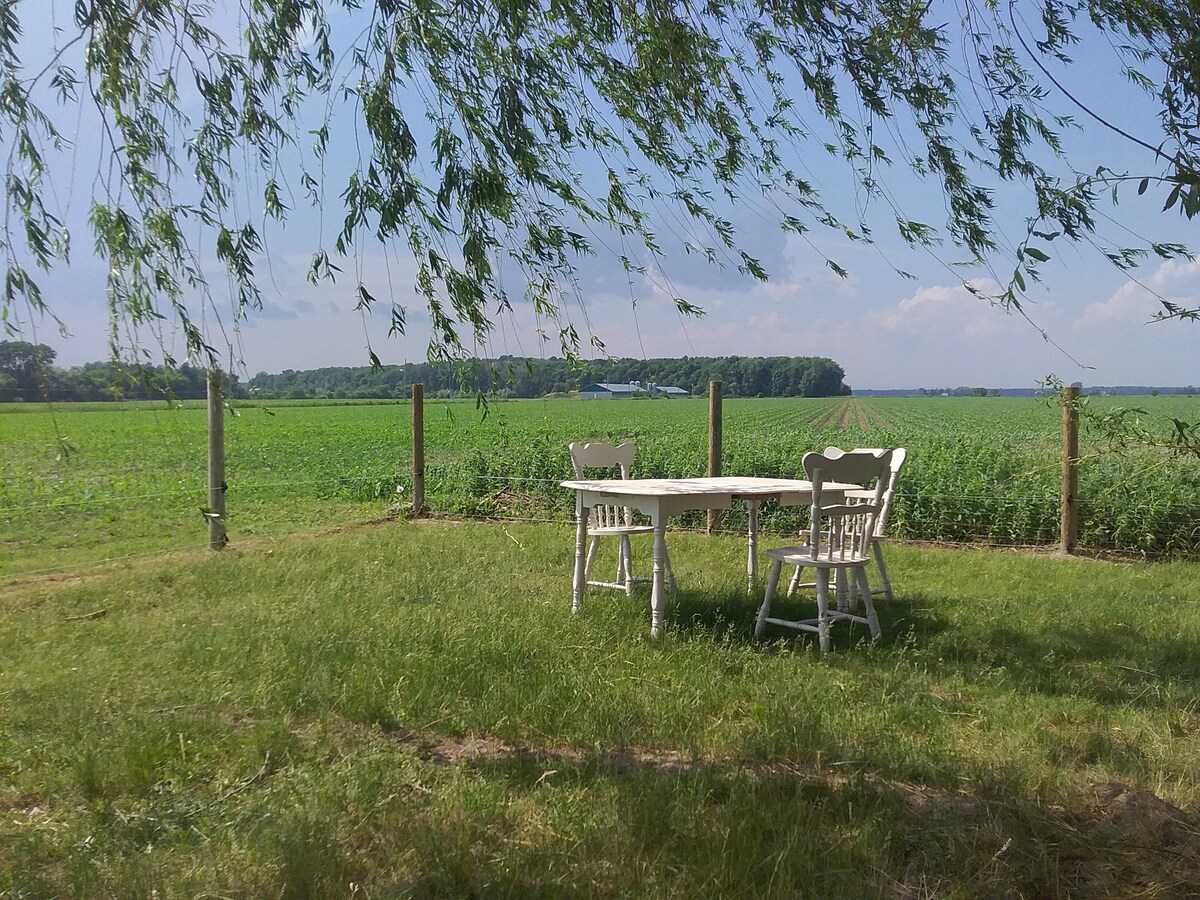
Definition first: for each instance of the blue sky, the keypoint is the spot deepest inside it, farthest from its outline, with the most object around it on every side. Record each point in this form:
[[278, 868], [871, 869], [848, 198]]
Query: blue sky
[[886, 331]]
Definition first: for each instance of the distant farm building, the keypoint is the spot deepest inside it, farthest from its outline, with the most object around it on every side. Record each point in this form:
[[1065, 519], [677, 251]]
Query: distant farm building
[[602, 391], [605, 391]]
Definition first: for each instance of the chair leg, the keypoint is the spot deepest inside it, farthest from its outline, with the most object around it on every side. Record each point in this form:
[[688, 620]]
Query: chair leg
[[626, 562], [847, 599], [823, 608], [579, 576], [864, 590], [591, 557], [765, 610], [877, 550], [670, 570], [795, 582]]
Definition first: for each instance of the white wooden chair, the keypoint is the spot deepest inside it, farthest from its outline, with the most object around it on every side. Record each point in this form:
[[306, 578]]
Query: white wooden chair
[[613, 521], [899, 455], [839, 540]]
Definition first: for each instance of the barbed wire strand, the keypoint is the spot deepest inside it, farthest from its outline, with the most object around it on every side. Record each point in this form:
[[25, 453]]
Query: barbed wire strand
[[107, 561], [982, 541], [403, 480]]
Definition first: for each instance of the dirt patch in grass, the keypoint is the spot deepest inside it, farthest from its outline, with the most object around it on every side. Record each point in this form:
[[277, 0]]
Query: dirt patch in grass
[[21, 587], [471, 750], [21, 810], [1107, 806], [1118, 808], [1113, 839], [1138, 837], [28, 804], [1082, 554]]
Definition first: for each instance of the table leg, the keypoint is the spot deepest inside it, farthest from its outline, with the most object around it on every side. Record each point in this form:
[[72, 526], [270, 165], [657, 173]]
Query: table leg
[[580, 582], [752, 553], [657, 593]]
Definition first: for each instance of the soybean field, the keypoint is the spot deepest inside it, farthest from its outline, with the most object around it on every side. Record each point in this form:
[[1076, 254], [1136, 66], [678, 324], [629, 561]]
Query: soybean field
[[89, 483]]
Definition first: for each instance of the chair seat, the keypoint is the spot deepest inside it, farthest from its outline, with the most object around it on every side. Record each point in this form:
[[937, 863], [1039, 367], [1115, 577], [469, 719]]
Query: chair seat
[[803, 555], [621, 529]]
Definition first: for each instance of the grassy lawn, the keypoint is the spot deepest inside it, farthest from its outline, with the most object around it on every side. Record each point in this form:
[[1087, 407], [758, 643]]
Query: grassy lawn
[[410, 709]]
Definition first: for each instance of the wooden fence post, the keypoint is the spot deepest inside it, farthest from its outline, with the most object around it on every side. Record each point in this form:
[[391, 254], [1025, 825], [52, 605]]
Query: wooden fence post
[[714, 445], [217, 536], [1068, 527], [418, 443]]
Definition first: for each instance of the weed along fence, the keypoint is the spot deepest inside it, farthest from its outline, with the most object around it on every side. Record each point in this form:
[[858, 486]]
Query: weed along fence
[[497, 490], [88, 483]]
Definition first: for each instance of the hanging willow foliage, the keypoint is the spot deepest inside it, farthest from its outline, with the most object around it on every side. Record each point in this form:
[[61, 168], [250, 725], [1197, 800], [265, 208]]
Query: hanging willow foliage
[[517, 131]]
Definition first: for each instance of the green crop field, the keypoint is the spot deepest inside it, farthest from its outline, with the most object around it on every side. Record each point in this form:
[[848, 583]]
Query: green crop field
[[89, 482]]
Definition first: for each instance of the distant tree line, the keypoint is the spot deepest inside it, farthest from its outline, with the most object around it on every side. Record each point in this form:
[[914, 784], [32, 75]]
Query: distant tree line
[[28, 373], [777, 376], [1126, 390]]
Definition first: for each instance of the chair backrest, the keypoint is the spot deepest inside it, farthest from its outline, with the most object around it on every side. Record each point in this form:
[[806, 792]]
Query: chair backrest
[[841, 528], [594, 455], [899, 455]]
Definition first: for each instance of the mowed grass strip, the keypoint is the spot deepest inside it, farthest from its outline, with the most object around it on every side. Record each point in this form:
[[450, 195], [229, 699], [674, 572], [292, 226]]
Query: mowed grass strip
[[411, 709]]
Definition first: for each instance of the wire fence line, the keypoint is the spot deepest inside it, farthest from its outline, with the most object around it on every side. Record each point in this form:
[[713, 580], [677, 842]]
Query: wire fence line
[[563, 520], [235, 487], [403, 480], [127, 494], [472, 483], [199, 491], [79, 569]]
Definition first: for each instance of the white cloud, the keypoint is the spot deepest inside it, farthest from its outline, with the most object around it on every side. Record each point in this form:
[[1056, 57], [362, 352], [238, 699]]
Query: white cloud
[[1132, 303], [951, 311]]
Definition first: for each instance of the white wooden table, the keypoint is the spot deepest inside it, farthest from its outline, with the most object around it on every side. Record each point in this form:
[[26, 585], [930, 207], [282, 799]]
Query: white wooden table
[[661, 498]]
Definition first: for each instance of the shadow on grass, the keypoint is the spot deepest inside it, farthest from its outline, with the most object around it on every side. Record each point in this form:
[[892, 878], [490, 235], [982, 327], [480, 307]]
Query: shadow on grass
[[696, 615], [1112, 666], [754, 828]]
